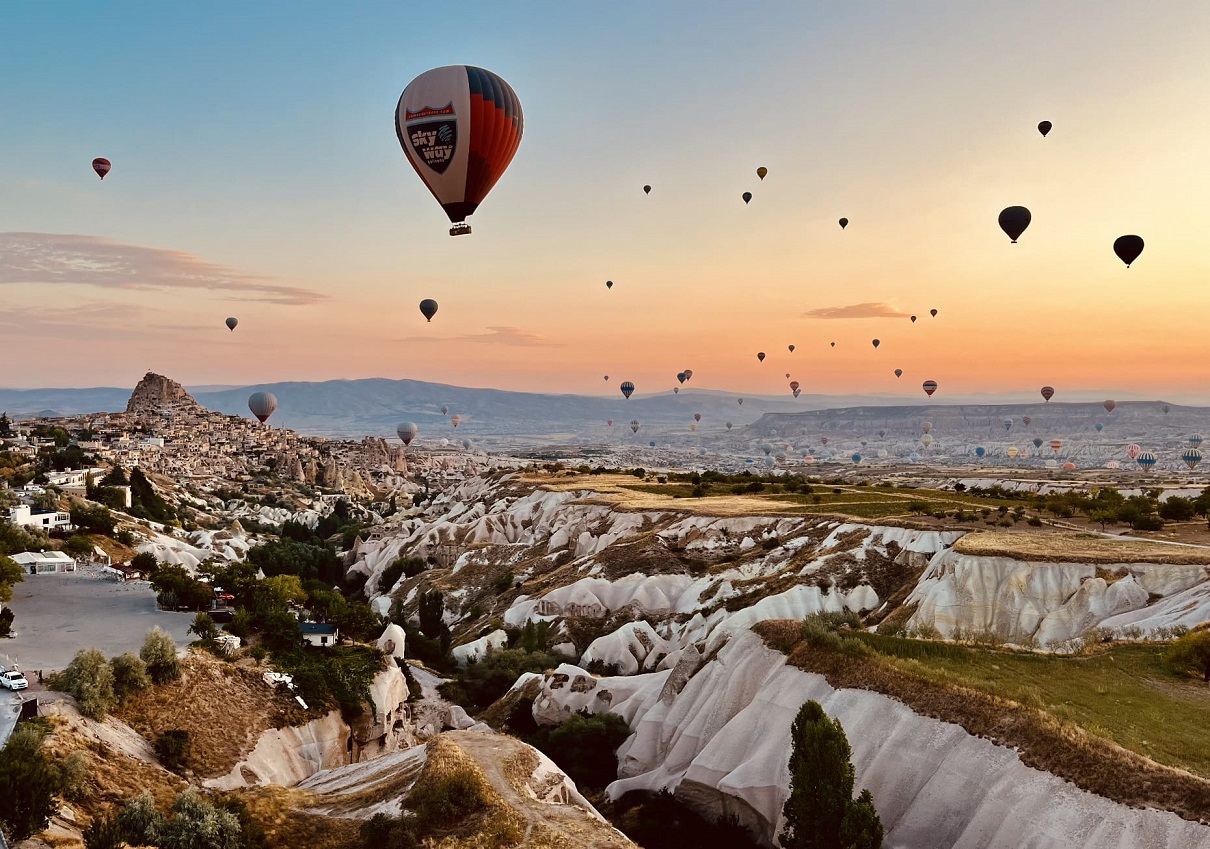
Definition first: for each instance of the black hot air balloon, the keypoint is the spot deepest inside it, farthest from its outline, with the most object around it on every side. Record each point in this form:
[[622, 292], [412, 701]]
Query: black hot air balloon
[[844, 222], [428, 308], [1128, 248], [760, 356], [933, 313], [747, 196], [1044, 128], [646, 190], [913, 319], [608, 284], [231, 322], [1014, 220]]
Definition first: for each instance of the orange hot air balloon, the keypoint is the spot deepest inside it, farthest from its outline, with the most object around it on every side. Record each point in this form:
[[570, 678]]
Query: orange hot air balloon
[[455, 420], [1055, 445], [459, 127]]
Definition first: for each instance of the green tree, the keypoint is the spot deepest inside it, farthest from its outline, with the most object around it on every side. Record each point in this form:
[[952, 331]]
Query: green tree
[[94, 520], [820, 810], [10, 574], [78, 545], [140, 821], [129, 675], [432, 611], [358, 622], [204, 627], [89, 679], [28, 784], [585, 747], [146, 563], [287, 588], [6, 621], [105, 832], [1191, 653], [1176, 509], [116, 477], [159, 653], [197, 824], [6, 427]]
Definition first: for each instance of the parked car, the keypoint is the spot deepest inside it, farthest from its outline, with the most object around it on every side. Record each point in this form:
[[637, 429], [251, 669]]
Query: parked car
[[13, 679]]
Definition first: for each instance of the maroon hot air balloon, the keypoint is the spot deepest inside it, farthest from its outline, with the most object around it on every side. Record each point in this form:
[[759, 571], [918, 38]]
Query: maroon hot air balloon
[[101, 166], [459, 127], [930, 386], [1048, 392]]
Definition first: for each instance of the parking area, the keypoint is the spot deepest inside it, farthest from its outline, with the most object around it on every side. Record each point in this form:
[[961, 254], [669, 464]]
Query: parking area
[[58, 614]]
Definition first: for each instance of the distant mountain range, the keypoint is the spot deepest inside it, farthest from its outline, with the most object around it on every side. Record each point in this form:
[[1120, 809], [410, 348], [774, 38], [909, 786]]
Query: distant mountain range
[[374, 406]]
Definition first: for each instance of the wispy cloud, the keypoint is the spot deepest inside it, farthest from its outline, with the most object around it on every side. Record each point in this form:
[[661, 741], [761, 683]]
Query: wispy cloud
[[870, 310], [54, 258], [513, 336], [97, 319]]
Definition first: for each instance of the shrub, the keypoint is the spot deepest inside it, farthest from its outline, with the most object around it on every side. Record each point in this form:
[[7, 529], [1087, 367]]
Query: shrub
[[1191, 653], [197, 824], [448, 798], [489, 679], [172, 748], [6, 621], [75, 776], [585, 747], [89, 679], [105, 832], [661, 821], [159, 653], [140, 821], [28, 784], [203, 626]]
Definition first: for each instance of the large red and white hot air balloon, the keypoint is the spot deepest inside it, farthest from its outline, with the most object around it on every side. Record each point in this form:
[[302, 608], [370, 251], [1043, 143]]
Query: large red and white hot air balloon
[[460, 127]]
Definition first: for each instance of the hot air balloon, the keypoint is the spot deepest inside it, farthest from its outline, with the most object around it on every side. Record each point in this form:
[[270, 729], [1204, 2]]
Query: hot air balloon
[[428, 308], [1055, 445], [1069, 465], [627, 388], [898, 372], [761, 172], [407, 431], [747, 196], [933, 313], [1113, 464], [634, 426], [606, 378], [824, 440], [739, 401], [1044, 128], [1048, 392], [1195, 439], [913, 319], [101, 166], [729, 425], [609, 422], [455, 420], [787, 375], [697, 417], [795, 392], [1026, 420], [1008, 424], [459, 127], [444, 410], [794, 384], [881, 433], [1109, 406], [856, 458], [844, 222], [1145, 460], [1037, 442], [1165, 409], [1128, 248], [608, 284], [980, 451], [676, 390], [231, 322], [1014, 220], [680, 376], [926, 427], [876, 342], [646, 190], [688, 374], [466, 444], [1012, 452], [1099, 427], [926, 440], [761, 356], [791, 347], [262, 404], [1133, 450], [929, 386], [1192, 457], [693, 426], [833, 344]]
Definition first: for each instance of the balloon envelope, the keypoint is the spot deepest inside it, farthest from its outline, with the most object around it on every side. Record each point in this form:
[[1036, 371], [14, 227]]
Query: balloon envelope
[[1128, 248], [933, 313], [459, 127], [1044, 128], [844, 222], [627, 388], [747, 196], [1014, 220], [930, 386], [1047, 392], [761, 356], [407, 432], [876, 343], [231, 322], [428, 308], [898, 372], [761, 172], [1109, 406], [262, 404], [646, 190], [101, 166]]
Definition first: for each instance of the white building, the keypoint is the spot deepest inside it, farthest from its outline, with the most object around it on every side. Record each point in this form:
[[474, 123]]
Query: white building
[[40, 562], [48, 520]]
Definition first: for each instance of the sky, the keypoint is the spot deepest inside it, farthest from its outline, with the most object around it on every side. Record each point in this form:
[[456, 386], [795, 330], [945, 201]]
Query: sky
[[256, 174]]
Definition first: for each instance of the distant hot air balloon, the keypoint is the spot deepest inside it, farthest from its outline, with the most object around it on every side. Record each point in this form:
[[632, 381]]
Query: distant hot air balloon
[[680, 376], [876, 342], [794, 384], [729, 425], [651, 443], [697, 417], [980, 451], [1109, 406], [926, 440], [791, 347], [1055, 445], [933, 313], [747, 196], [926, 427], [428, 308], [627, 388], [101, 166], [444, 410], [787, 375], [1099, 427], [459, 127], [856, 458], [844, 222], [634, 426], [1026, 420], [1133, 450], [898, 372], [693, 426], [646, 190], [1165, 409], [761, 172], [824, 440], [688, 374], [466, 444], [231, 322], [1014, 220], [1195, 439], [1128, 248], [1145, 460], [833, 344], [881, 433], [739, 401], [930, 386], [1069, 465], [455, 420], [608, 284], [760, 356], [262, 404], [913, 319], [407, 432], [1113, 464], [1012, 452], [1037, 442], [1044, 128], [609, 422], [1008, 424], [1192, 457], [606, 378], [767, 448], [676, 390], [1048, 392]]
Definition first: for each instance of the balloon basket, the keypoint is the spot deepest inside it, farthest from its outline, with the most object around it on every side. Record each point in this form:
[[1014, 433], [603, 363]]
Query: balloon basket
[[461, 229]]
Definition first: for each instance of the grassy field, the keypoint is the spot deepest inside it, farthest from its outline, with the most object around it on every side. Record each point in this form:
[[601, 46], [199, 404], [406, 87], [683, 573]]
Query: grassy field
[[1124, 694]]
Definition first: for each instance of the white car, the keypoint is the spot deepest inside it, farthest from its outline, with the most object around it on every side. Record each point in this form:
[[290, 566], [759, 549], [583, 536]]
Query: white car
[[13, 679]]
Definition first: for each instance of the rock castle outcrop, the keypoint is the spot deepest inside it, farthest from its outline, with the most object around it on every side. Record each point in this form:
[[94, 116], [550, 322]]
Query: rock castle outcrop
[[155, 393]]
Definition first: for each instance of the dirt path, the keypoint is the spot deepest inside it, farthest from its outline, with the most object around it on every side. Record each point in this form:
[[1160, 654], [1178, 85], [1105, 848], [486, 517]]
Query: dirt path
[[547, 824]]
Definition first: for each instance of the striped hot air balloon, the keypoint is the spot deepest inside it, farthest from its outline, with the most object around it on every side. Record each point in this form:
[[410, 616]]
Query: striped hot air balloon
[[930, 386], [407, 432], [1145, 460], [634, 426], [1195, 440], [1055, 445], [1192, 457], [1133, 450], [1048, 392], [627, 388]]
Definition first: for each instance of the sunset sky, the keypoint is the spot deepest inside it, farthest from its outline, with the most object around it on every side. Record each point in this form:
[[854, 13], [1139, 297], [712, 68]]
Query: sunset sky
[[256, 173]]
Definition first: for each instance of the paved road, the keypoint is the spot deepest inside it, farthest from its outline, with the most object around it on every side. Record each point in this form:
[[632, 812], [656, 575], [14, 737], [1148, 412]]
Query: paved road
[[59, 614]]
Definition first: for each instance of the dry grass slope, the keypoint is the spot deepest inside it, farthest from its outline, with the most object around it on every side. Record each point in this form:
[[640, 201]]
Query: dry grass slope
[[1059, 547]]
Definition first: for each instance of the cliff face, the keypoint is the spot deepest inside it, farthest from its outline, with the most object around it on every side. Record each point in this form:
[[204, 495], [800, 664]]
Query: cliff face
[[155, 393]]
